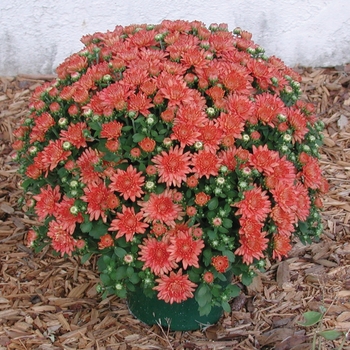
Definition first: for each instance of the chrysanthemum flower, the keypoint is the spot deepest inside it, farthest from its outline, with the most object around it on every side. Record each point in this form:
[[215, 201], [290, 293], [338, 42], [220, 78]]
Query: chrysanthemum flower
[[61, 240], [46, 201], [303, 202], [205, 164], [128, 223], [298, 122], [284, 220], [210, 136], [106, 241], [54, 153], [285, 196], [86, 163], [156, 256], [147, 144], [220, 262], [174, 288], [281, 246], [201, 198], [252, 247], [74, 135], [185, 249], [111, 130], [66, 217], [161, 207], [311, 174], [99, 199], [208, 277], [267, 108], [173, 166], [128, 182], [256, 204], [263, 159]]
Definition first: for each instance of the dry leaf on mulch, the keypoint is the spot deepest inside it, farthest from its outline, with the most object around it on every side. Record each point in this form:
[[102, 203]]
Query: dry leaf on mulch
[[51, 303]]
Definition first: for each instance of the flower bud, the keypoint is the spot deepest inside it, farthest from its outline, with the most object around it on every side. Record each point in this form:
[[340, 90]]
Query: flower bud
[[245, 137], [211, 112], [287, 138], [62, 122], [66, 145], [198, 145], [74, 210], [74, 184]]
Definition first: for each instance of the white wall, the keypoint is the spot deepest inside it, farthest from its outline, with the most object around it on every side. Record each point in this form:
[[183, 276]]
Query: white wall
[[36, 35]]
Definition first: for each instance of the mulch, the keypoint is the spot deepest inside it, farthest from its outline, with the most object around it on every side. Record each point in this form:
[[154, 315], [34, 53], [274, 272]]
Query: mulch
[[48, 302]]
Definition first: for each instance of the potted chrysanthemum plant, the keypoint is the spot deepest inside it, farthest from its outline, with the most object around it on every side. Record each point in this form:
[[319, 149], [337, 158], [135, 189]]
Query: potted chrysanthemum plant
[[181, 155]]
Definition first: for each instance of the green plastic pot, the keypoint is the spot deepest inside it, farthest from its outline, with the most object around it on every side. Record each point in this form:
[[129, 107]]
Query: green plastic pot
[[177, 316]]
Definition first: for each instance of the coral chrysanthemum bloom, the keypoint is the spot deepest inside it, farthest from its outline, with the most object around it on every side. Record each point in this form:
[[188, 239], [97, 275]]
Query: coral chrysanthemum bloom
[[161, 207], [201, 198], [284, 220], [285, 196], [128, 223], [205, 164], [156, 256], [87, 162], [263, 159], [74, 135], [54, 153], [175, 288], [98, 197], [185, 249], [252, 247], [106, 241], [220, 262], [173, 166], [256, 204], [65, 216], [303, 202], [61, 240], [147, 144], [128, 182], [46, 201], [311, 174], [111, 130], [281, 246]]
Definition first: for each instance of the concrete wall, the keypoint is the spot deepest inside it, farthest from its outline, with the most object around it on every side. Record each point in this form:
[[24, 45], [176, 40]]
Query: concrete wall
[[36, 35]]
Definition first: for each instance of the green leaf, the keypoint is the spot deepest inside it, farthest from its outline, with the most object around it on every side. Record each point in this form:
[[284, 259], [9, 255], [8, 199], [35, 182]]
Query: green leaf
[[85, 258], [204, 310], [202, 290], [86, 227], [226, 306], [129, 271], [227, 223], [138, 137], [233, 290], [331, 334], [105, 279], [98, 229], [311, 318], [120, 272], [134, 278], [120, 252], [247, 279], [230, 255], [213, 203]]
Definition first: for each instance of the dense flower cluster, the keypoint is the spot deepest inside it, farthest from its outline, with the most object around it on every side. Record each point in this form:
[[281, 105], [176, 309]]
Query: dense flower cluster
[[178, 152]]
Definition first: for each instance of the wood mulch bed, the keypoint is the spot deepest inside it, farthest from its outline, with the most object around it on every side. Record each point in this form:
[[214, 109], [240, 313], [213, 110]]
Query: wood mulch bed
[[51, 303]]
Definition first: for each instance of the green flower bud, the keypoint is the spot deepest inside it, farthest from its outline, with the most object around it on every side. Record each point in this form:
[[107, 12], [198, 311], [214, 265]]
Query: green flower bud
[[74, 210], [66, 145]]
